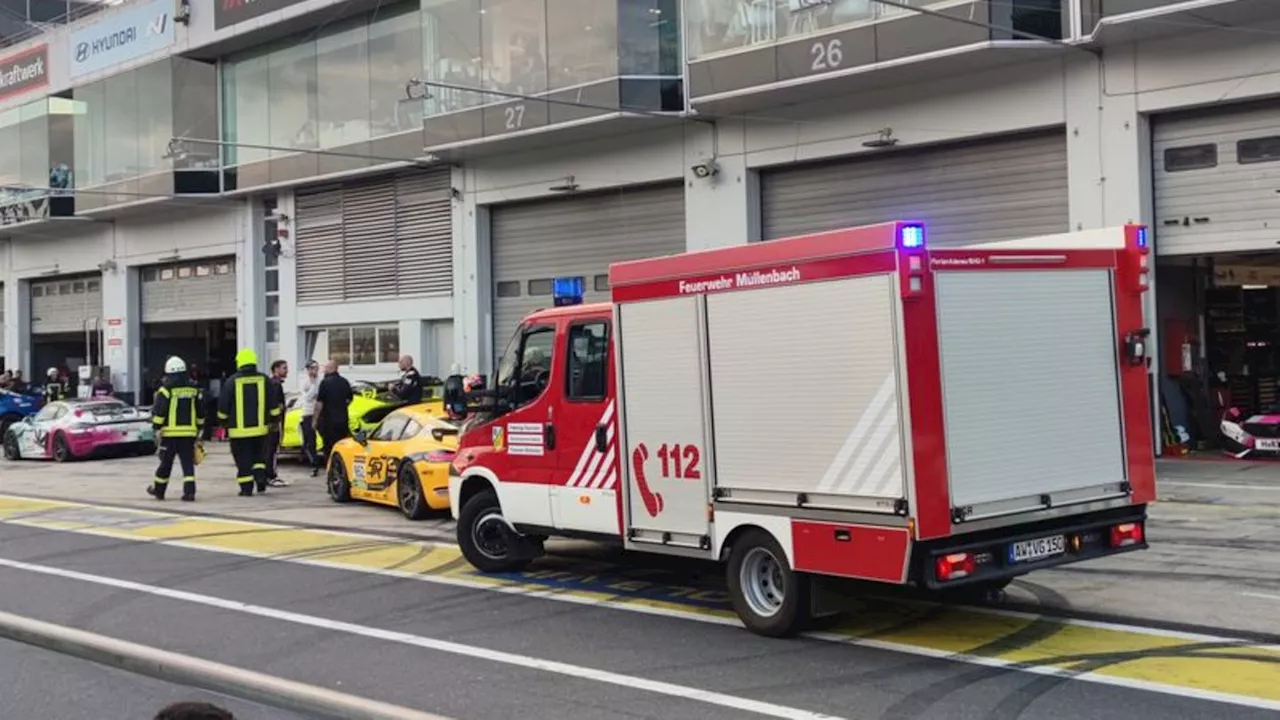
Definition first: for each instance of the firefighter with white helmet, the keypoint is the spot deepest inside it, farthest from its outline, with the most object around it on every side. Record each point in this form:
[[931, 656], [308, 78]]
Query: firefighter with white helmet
[[54, 389], [178, 415]]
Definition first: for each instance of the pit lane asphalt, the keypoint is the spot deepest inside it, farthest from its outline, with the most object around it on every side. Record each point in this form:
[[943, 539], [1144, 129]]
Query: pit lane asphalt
[[845, 681], [37, 684]]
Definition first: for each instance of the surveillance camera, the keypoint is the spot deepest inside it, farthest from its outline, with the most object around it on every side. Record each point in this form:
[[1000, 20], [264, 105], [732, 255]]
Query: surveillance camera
[[705, 170]]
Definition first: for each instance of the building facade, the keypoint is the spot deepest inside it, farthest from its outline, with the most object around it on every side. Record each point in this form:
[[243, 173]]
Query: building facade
[[321, 178]]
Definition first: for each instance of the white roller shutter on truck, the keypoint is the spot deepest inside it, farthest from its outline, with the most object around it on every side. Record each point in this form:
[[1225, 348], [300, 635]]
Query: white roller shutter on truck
[[1031, 395]]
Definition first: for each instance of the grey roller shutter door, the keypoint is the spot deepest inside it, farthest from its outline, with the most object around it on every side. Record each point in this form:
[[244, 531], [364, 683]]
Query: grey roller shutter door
[[538, 241], [3, 319], [989, 190], [1213, 192], [65, 305], [367, 239], [196, 290]]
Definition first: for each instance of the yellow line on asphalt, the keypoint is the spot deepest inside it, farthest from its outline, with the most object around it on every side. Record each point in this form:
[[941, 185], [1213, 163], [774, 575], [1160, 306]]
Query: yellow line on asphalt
[[1177, 660]]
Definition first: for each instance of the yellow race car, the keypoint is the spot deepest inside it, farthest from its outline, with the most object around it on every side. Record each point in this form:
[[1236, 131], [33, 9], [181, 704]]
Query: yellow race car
[[404, 462], [371, 403]]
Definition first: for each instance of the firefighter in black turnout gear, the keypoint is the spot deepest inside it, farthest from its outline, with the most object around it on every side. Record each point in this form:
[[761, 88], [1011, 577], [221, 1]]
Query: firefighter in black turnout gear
[[247, 407], [54, 389], [178, 416]]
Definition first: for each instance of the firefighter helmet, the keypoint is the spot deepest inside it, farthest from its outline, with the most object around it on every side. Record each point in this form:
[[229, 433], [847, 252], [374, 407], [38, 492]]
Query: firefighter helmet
[[246, 357], [175, 365], [53, 373]]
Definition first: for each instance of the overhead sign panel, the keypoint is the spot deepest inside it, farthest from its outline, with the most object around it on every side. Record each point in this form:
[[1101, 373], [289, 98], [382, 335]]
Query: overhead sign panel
[[121, 37], [230, 12], [24, 71]]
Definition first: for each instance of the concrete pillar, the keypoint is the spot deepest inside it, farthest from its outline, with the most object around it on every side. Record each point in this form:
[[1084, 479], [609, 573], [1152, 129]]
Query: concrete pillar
[[472, 287], [723, 209], [122, 326], [292, 337], [17, 325], [250, 281]]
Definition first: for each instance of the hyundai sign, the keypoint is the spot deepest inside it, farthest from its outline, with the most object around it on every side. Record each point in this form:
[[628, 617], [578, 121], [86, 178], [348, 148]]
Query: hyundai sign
[[122, 36]]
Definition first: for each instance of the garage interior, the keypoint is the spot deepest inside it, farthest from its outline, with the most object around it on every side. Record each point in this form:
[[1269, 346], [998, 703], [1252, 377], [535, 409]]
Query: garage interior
[[188, 310], [66, 324]]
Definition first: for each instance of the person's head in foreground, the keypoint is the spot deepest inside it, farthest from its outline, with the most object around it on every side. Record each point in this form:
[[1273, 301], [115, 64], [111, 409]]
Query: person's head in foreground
[[193, 711]]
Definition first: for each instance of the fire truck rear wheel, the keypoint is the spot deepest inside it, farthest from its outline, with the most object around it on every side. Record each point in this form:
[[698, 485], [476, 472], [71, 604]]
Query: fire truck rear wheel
[[487, 540], [770, 598]]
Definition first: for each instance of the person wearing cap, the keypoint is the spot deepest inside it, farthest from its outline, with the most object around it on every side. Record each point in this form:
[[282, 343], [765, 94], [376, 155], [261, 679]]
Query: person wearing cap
[[247, 407], [310, 389], [177, 415]]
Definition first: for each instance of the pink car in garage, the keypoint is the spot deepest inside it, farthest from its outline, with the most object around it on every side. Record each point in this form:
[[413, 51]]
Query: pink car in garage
[[81, 428]]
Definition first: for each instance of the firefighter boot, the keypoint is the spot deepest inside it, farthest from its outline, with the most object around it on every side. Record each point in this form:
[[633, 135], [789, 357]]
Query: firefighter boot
[[157, 489], [189, 490], [246, 487]]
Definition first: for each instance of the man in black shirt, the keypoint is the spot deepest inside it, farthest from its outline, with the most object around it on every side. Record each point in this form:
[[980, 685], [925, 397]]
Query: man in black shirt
[[331, 416], [409, 389]]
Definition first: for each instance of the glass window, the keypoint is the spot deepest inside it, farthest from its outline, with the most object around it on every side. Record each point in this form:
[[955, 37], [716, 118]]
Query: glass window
[[1194, 157], [388, 344], [291, 78], [392, 428], [513, 45], [273, 331], [185, 271], [149, 274], [195, 112], [340, 345], [364, 346], [95, 286], [535, 365], [273, 306], [395, 55], [509, 288], [64, 288], [1258, 150], [120, 114], [649, 37], [33, 171], [246, 109], [273, 280], [601, 283], [37, 291], [540, 287], [411, 429], [154, 88], [451, 53], [62, 143], [582, 41], [717, 26], [588, 361], [90, 136], [342, 79], [77, 287]]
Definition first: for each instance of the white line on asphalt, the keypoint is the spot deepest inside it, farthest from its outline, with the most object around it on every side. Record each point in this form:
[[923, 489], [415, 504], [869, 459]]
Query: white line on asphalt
[[1218, 486], [574, 671], [558, 596], [1262, 596]]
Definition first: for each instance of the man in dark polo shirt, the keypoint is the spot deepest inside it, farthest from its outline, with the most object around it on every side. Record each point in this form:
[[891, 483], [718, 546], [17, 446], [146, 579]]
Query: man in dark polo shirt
[[332, 420]]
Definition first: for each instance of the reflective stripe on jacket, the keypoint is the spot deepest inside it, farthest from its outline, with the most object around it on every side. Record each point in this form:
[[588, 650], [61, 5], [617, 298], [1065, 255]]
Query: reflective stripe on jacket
[[248, 402], [178, 409]]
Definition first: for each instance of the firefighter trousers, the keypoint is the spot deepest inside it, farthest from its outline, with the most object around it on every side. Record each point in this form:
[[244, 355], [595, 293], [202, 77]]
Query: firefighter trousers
[[251, 463], [184, 449]]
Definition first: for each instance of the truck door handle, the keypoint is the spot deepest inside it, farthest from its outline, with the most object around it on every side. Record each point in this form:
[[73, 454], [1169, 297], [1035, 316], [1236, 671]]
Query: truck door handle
[[549, 436], [602, 438]]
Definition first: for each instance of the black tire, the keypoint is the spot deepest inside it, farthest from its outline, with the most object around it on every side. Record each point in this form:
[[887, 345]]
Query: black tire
[[336, 480], [770, 598], [62, 449], [5, 422], [409, 493], [485, 543], [11, 449]]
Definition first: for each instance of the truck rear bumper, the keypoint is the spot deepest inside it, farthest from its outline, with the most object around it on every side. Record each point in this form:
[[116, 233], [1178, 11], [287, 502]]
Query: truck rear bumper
[[997, 555]]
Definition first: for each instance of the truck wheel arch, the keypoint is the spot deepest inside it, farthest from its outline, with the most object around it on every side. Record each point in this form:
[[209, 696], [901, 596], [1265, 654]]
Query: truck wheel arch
[[729, 526], [473, 485]]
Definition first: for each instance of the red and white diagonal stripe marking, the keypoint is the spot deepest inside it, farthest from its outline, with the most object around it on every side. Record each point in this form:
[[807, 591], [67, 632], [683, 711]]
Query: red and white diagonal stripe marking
[[597, 470]]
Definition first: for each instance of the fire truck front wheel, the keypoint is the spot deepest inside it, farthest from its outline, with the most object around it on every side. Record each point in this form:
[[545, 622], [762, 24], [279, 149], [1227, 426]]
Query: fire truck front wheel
[[488, 541], [770, 598]]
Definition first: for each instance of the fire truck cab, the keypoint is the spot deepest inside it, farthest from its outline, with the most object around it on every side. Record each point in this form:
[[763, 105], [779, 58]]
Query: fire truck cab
[[852, 404]]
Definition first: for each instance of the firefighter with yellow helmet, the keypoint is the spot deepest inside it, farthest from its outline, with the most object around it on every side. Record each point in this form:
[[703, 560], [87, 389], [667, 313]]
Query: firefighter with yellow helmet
[[247, 406], [178, 416]]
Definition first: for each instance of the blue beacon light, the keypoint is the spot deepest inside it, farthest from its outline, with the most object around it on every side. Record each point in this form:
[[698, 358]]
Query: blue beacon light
[[1142, 237], [568, 290], [910, 237]]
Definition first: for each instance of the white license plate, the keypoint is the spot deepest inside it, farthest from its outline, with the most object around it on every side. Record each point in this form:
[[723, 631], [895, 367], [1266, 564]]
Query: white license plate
[[357, 470], [1037, 549], [1268, 444]]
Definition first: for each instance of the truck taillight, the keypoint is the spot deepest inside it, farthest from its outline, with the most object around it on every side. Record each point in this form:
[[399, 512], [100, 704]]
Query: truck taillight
[[954, 566], [1126, 534]]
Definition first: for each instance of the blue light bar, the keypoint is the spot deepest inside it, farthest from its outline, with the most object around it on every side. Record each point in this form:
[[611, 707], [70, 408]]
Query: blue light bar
[[910, 236], [568, 290], [1142, 237]]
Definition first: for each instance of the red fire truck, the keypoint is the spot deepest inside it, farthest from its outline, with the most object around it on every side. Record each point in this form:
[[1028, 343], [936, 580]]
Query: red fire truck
[[850, 404]]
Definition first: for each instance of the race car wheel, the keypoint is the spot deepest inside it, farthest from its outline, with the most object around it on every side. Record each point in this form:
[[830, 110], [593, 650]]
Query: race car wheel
[[339, 486], [487, 541], [409, 493], [770, 598], [5, 422], [62, 449], [11, 449]]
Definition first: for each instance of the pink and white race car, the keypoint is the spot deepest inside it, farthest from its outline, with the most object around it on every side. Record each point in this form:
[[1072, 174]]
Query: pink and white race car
[[1254, 436], [81, 428]]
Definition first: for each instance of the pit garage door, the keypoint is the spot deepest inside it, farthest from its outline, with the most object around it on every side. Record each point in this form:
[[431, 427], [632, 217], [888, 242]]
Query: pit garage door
[[1215, 178], [989, 190], [534, 242], [194, 290], [66, 322]]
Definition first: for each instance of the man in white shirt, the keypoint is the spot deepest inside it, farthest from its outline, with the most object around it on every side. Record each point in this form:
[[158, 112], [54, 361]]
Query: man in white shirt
[[310, 386]]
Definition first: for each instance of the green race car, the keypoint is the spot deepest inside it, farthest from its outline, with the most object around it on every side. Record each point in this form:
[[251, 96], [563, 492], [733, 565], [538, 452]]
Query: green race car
[[371, 403]]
